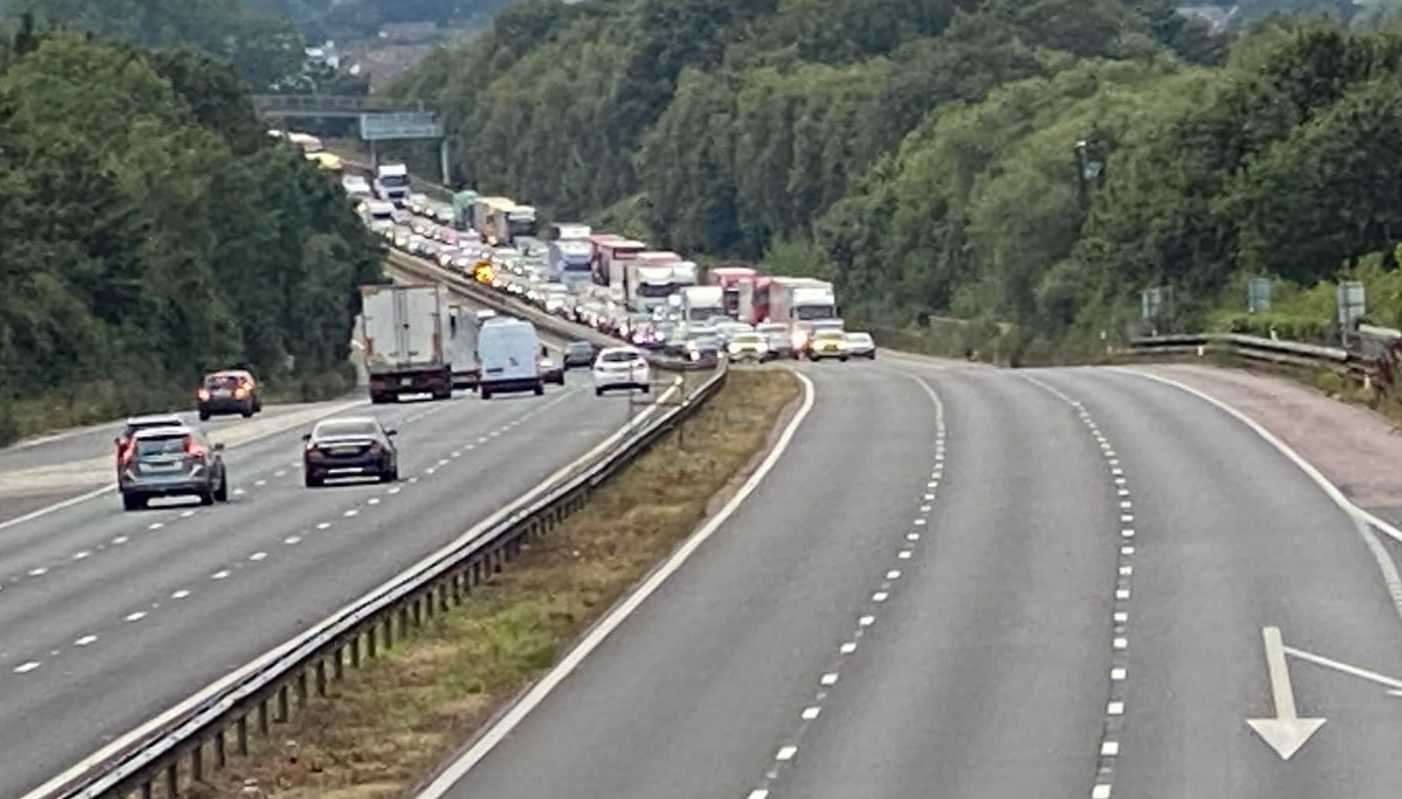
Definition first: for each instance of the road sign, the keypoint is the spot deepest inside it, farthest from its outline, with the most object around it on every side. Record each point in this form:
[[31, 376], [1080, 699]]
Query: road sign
[[1258, 295], [403, 125]]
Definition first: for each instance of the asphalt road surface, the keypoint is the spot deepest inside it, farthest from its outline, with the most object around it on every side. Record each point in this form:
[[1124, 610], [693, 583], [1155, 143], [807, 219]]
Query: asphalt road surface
[[95, 602], [1059, 592]]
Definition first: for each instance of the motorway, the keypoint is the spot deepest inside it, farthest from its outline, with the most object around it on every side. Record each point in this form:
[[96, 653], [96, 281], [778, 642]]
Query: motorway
[[95, 601], [968, 582]]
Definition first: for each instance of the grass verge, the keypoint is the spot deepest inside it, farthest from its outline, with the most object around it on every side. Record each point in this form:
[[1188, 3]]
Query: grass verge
[[398, 717]]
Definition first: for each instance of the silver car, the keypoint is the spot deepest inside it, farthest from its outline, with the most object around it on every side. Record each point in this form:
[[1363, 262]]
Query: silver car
[[171, 461]]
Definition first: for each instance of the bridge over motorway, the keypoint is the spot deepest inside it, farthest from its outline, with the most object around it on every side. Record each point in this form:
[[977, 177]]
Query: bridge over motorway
[[329, 106]]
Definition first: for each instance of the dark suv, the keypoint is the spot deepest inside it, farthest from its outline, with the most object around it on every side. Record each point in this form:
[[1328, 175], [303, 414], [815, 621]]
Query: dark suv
[[229, 391], [171, 462]]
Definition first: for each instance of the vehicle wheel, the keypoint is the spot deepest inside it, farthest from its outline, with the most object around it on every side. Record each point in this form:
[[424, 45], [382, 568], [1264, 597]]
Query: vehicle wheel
[[540, 389], [598, 392], [486, 393], [646, 388], [312, 481], [221, 494], [207, 498], [133, 502], [443, 395], [204, 416], [390, 475], [258, 406], [247, 412], [872, 356], [843, 358]]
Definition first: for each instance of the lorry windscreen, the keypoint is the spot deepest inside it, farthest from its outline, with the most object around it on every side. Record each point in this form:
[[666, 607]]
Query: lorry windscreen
[[394, 181], [656, 290], [807, 312]]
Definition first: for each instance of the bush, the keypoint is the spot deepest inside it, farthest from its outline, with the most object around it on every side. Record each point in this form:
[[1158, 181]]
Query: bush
[[9, 425], [1329, 382], [1310, 330]]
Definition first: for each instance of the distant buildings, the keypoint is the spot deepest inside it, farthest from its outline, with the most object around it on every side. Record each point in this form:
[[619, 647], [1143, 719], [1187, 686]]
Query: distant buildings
[[1217, 17]]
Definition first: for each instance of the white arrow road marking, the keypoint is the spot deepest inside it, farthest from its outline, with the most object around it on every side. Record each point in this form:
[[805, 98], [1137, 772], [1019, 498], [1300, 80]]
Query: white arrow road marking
[[1373, 676], [1287, 732]]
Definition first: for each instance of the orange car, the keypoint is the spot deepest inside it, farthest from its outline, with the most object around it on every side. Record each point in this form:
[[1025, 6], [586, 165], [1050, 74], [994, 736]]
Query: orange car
[[229, 391]]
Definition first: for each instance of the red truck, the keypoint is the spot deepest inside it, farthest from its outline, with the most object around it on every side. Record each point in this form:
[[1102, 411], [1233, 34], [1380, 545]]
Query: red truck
[[731, 279]]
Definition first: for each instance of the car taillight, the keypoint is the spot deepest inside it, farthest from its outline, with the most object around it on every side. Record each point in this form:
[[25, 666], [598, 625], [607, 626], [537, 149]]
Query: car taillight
[[203, 394], [125, 453], [193, 448], [240, 392]]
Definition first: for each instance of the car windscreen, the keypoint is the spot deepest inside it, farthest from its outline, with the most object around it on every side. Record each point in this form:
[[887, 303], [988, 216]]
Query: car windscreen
[[338, 429], [748, 338], [619, 357], [580, 347], [165, 445], [221, 381]]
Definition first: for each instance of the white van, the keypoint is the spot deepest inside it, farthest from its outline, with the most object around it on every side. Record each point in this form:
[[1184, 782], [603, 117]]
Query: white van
[[509, 353]]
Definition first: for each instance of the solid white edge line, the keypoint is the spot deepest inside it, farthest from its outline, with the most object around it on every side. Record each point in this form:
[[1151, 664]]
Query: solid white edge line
[[620, 613], [108, 489], [1362, 519], [262, 661]]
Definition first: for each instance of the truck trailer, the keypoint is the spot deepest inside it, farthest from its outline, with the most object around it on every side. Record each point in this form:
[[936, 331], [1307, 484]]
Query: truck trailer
[[403, 339]]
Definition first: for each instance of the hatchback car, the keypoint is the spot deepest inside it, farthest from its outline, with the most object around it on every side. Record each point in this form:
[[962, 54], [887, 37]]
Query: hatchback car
[[747, 346], [229, 391], [136, 424], [578, 353], [621, 367], [171, 461], [356, 446], [827, 344], [861, 345]]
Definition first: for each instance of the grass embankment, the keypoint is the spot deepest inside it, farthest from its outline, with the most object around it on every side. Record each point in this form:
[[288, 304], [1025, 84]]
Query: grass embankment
[[394, 720], [104, 400]]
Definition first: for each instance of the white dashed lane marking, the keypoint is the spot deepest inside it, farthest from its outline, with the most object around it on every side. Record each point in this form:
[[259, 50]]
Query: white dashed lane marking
[[219, 575], [137, 616], [884, 593], [181, 594], [85, 640], [1119, 643], [25, 668]]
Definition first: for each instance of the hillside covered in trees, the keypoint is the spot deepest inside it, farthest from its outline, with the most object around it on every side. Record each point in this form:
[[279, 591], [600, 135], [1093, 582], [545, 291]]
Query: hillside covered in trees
[[1037, 162], [152, 230]]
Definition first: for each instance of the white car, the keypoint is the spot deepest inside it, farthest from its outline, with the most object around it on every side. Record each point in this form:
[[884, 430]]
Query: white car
[[417, 203], [621, 367], [356, 187]]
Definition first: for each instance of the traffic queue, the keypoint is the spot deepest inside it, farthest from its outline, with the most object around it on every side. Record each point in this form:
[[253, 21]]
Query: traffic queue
[[651, 298]]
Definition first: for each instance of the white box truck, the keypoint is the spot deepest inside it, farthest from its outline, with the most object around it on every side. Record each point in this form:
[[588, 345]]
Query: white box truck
[[402, 333]]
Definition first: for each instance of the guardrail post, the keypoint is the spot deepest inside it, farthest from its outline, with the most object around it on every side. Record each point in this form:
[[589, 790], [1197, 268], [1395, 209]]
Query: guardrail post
[[429, 597], [355, 651], [338, 662], [302, 688], [146, 792], [403, 621], [320, 680], [243, 735], [371, 645], [173, 780], [197, 762], [221, 756], [284, 712], [443, 593], [263, 725], [418, 610], [389, 629]]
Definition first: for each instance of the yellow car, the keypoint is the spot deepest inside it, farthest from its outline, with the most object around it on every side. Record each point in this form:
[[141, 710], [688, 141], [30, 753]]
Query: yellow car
[[827, 344]]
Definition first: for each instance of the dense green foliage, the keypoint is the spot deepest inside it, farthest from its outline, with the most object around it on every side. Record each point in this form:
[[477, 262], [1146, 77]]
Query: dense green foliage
[[152, 231], [265, 48], [923, 153], [335, 19]]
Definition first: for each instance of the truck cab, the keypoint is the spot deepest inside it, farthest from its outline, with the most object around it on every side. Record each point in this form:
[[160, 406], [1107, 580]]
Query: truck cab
[[392, 183]]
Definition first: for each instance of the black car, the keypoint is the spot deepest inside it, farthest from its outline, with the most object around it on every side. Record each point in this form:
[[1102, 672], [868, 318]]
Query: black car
[[171, 461], [349, 447], [578, 353]]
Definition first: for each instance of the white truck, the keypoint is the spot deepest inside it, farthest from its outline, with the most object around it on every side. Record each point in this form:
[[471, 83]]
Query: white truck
[[800, 302], [568, 261], [392, 183], [510, 222], [403, 338], [649, 279], [703, 304]]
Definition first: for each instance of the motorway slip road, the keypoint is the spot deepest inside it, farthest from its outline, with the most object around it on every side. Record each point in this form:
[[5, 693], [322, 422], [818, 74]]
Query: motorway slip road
[[108, 618], [1069, 592]]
